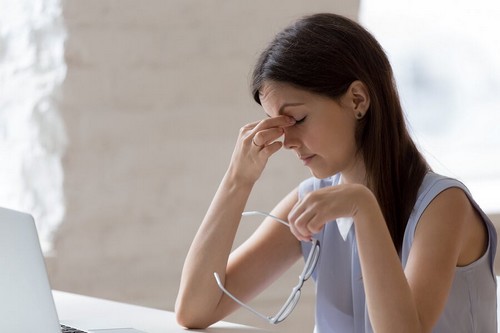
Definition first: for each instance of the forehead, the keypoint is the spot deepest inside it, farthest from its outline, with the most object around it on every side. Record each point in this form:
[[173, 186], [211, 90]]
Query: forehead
[[272, 91], [279, 98], [276, 96]]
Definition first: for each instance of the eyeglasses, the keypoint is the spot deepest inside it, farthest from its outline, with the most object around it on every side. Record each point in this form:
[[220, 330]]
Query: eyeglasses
[[293, 299]]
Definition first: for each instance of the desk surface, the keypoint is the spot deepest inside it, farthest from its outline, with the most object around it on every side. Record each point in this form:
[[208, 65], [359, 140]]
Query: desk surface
[[77, 309], [81, 310]]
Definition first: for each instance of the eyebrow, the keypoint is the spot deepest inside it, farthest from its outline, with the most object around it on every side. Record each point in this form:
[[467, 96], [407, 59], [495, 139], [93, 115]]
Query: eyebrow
[[285, 105]]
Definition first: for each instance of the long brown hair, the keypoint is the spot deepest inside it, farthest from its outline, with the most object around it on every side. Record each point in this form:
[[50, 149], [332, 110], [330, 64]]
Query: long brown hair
[[324, 53]]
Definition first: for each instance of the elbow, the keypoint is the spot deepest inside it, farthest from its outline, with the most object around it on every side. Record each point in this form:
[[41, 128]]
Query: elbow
[[187, 321], [188, 318]]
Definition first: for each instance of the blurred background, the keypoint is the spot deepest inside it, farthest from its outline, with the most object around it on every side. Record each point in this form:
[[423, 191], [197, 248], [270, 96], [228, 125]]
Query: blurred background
[[118, 119]]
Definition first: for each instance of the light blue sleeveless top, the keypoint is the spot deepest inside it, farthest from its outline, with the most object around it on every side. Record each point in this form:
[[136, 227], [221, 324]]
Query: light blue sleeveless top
[[340, 296]]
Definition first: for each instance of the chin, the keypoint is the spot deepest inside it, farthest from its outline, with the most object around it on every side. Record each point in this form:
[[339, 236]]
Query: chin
[[321, 174]]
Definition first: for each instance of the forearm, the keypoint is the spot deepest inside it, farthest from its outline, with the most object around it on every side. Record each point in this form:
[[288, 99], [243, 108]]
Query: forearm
[[199, 299], [199, 295], [388, 296]]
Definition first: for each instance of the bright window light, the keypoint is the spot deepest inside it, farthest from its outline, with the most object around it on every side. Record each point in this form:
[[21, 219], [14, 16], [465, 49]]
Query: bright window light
[[32, 137], [445, 55]]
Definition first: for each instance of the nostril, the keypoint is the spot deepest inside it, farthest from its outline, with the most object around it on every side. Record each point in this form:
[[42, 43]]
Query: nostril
[[288, 144]]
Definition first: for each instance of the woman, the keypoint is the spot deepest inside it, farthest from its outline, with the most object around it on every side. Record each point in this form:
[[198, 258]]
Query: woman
[[419, 255]]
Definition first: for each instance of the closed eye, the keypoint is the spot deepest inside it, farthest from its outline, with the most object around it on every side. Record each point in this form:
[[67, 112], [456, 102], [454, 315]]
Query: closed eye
[[299, 121]]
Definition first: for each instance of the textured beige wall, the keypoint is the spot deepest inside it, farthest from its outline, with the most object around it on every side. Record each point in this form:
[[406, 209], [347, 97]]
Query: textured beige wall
[[155, 95]]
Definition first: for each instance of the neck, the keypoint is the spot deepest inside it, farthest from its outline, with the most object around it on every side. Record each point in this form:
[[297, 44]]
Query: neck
[[356, 173]]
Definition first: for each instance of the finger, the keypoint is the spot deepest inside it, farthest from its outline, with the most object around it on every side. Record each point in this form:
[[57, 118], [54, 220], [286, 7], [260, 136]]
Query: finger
[[280, 121], [302, 225], [296, 210], [315, 224], [298, 219], [300, 236], [249, 127], [267, 136], [249, 131]]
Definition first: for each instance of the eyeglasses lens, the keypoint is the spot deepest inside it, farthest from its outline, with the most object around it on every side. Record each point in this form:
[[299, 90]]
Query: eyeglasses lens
[[309, 269], [289, 307]]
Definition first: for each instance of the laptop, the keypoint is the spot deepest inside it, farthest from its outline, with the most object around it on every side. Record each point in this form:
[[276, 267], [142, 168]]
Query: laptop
[[26, 302]]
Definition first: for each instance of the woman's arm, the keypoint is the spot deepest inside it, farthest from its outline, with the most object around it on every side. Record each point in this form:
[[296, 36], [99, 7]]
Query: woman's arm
[[198, 296], [200, 302], [449, 233], [259, 261], [390, 301], [413, 300]]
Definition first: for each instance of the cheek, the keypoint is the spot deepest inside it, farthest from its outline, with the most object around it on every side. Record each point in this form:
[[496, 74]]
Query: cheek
[[338, 140]]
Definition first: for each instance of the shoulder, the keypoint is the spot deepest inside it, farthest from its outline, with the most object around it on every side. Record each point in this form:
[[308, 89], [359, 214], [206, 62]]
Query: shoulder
[[449, 203], [449, 190], [451, 220], [454, 218], [439, 218], [441, 203], [443, 200], [433, 185], [449, 233], [446, 214]]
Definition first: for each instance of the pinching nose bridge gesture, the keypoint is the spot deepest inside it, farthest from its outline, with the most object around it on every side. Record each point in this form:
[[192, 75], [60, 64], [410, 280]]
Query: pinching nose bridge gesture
[[256, 143], [267, 131]]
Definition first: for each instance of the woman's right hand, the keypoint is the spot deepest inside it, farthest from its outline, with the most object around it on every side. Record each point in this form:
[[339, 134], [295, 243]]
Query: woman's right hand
[[256, 143]]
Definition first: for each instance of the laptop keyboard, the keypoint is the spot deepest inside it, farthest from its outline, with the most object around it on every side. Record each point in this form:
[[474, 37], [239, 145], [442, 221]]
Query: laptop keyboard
[[67, 329]]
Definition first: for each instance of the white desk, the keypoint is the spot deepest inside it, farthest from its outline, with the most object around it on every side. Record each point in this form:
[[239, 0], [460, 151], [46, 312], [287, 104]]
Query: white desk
[[79, 310], [75, 309]]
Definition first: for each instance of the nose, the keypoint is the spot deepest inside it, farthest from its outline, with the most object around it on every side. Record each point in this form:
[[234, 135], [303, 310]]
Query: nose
[[290, 139]]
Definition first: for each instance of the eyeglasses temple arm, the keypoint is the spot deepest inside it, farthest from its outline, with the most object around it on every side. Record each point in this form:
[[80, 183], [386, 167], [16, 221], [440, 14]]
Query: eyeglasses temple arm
[[248, 307], [257, 212]]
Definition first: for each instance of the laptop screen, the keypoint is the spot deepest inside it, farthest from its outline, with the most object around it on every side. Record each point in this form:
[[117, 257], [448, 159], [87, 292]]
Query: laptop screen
[[26, 302]]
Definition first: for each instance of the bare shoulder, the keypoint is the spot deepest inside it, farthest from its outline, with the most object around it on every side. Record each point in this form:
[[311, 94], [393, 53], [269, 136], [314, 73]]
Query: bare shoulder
[[451, 218], [452, 201], [450, 233]]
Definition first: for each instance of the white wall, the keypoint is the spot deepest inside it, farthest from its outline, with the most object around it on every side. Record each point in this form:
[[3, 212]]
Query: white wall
[[155, 94]]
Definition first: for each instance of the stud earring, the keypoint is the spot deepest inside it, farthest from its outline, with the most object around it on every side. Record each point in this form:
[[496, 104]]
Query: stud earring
[[359, 115]]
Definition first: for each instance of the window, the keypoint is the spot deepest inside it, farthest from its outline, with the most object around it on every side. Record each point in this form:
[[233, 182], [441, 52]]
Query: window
[[445, 59], [32, 137]]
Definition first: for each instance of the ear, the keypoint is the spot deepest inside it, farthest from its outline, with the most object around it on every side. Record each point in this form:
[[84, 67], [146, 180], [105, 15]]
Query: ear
[[358, 98]]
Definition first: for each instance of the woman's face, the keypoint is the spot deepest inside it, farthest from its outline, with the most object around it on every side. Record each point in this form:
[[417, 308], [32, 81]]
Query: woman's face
[[323, 136]]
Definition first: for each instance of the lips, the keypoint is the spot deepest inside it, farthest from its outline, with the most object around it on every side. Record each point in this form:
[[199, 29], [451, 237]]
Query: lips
[[306, 159]]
